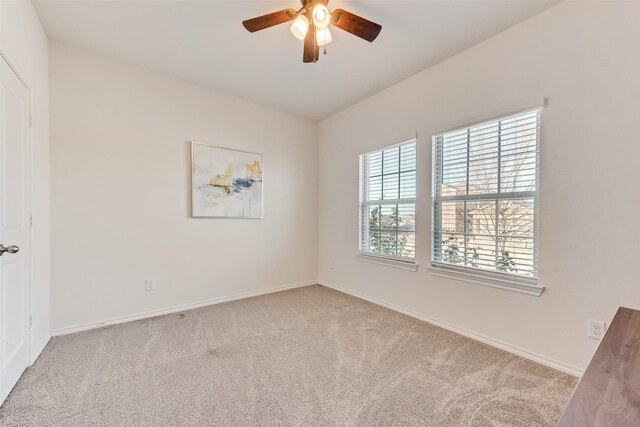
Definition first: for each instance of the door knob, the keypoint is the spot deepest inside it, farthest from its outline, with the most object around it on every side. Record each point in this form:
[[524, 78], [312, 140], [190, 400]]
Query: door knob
[[11, 249]]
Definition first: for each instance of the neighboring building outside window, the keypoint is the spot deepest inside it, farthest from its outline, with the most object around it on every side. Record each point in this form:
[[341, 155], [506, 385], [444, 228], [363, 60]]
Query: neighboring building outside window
[[388, 202], [485, 196]]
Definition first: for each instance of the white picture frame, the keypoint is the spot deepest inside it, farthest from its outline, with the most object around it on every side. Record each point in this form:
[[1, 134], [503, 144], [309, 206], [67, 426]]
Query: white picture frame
[[225, 183]]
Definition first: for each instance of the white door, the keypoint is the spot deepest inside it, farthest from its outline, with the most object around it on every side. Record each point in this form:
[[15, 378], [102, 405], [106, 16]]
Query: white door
[[14, 229]]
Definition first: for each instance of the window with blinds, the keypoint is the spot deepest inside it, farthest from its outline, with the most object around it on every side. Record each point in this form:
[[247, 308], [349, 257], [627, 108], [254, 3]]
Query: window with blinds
[[485, 183], [388, 202]]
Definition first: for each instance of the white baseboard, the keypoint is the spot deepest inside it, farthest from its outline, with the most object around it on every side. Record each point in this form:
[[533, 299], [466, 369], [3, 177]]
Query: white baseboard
[[35, 352], [464, 332], [571, 370], [174, 309]]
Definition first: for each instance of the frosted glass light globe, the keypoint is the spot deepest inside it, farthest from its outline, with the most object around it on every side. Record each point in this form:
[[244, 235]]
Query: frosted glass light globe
[[300, 27], [321, 16], [323, 36]]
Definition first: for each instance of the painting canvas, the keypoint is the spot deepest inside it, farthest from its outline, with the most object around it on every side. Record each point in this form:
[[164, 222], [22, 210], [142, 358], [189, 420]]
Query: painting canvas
[[225, 183]]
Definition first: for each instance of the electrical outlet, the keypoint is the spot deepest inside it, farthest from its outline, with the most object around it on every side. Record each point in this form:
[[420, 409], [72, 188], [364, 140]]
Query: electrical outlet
[[333, 266], [596, 329], [150, 285]]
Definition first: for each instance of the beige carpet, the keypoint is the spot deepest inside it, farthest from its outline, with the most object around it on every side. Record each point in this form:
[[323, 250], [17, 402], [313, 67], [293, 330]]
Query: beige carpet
[[309, 356]]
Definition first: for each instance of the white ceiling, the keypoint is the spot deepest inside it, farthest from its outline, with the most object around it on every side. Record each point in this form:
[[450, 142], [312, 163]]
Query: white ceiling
[[205, 42]]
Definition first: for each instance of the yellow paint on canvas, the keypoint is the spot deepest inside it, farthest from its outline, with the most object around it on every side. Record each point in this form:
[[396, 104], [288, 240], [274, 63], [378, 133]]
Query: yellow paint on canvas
[[224, 181], [253, 171]]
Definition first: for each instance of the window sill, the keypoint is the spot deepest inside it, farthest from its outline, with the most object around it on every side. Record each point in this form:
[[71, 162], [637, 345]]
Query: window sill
[[524, 286], [403, 265]]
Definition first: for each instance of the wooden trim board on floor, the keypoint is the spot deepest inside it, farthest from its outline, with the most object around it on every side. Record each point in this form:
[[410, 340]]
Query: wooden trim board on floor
[[464, 332], [175, 309], [571, 370]]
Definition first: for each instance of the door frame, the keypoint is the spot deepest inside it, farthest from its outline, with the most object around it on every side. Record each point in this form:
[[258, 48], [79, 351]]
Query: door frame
[[29, 189]]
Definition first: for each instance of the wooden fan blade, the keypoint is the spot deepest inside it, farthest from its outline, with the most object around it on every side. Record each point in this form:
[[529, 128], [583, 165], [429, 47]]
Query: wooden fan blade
[[266, 21], [311, 51], [355, 25]]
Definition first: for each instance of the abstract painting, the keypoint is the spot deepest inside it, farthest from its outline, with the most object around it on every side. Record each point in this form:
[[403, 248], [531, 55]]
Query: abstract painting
[[225, 183]]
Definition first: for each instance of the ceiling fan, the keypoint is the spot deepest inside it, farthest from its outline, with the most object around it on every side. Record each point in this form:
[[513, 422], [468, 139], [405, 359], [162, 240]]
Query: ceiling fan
[[311, 24]]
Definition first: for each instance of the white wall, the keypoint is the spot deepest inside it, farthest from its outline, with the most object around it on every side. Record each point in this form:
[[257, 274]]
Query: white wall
[[24, 43], [584, 57], [120, 185]]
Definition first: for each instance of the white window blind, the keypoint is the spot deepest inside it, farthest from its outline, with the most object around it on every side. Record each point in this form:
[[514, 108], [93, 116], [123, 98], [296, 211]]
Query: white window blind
[[485, 183], [388, 202]]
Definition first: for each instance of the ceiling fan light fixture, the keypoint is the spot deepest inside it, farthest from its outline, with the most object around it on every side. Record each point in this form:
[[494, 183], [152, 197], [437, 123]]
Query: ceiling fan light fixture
[[321, 16], [300, 27], [311, 24], [323, 36]]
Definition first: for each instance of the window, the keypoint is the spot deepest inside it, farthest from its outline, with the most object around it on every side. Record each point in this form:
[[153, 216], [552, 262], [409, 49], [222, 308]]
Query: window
[[485, 182], [388, 202]]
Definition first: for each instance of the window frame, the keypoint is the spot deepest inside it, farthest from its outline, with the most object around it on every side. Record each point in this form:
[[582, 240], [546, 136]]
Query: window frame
[[403, 262], [505, 280]]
